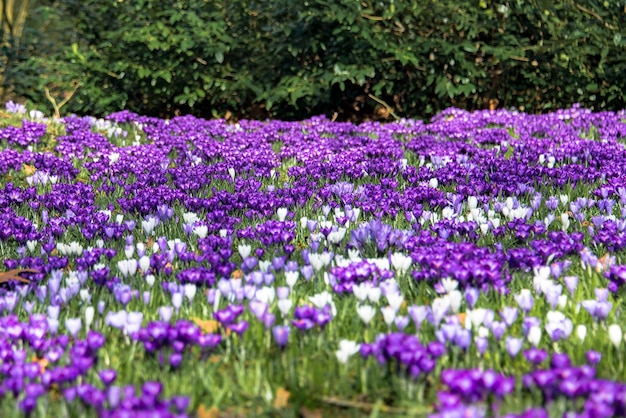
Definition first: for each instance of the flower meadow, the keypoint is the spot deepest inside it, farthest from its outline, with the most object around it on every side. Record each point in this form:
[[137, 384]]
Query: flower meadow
[[469, 266]]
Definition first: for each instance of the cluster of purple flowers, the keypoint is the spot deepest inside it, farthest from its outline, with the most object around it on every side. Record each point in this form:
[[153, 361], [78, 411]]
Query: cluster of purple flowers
[[307, 317], [468, 389], [378, 235], [406, 351], [342, 279], [66, 361], [617, 277], [28, 134], [219, 174], [114, 401], [173, 340]]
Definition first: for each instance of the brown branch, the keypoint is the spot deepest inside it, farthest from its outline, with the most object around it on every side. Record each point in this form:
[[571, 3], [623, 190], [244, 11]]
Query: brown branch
[[7, 276], [382, 102], [370, 17], [345, 403], [594, 14], [57, 108]]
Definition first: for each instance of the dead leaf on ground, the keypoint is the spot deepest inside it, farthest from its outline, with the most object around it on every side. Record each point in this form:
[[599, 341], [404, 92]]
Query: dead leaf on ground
[[15, 275], [308, 413], [281, 399], [29, 170], [208, 326], [204, 412]]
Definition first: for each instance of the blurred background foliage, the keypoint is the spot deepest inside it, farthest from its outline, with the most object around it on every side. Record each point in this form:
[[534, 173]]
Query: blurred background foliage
[[348, 59]]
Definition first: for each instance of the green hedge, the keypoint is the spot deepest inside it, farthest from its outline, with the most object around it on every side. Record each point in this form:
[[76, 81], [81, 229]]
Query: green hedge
[[358, 59]]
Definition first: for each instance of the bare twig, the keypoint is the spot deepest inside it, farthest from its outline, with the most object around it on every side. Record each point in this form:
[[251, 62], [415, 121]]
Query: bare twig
[[594, 14], [373, 406], [7, 276], [57, 108], [370, 17], [382, 102]]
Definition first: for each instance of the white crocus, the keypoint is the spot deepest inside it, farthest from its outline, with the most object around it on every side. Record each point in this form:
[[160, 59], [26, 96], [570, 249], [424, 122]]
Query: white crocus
[[201, 231], [395, 300], [244, 250], [581, 332], [366, 313], [373, 294], [323, 299], [335, 237], [346, 350], [389, 314], [565, 221], [89, 315], [190, 217], [534, 335], [264, 265], [401, 262], [615, 335], [190, 291], [122, 266], [360, 291], [316, 261], [85, 295], [150, 279], [291, 278], [148, 225], [265, 294], [284, 306], [449, 284], [31, 245], [455, 297], [281, 213], [144, 263], [476, 318]]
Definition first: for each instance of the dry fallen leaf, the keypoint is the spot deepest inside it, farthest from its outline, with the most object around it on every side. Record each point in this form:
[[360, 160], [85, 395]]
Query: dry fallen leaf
[[208, 326], [42, 362], [281, 400], [215, 358], [236, 274], [15, 275], [462, 317], [211, 412], [308, 413], [29, 170]]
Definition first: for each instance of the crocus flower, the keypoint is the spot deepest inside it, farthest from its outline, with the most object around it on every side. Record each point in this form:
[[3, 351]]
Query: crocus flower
[[581, 332], [107, 376], [346, 350], [165, 312], [508, 315], [73, 325], [615, 335], [571, 282], [593, 357], [534, 335], [366, 313], [418, 314], [513, 345], [281, 335]]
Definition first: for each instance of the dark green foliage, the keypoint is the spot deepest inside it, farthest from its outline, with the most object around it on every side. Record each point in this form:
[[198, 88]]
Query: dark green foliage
[[359, 59]]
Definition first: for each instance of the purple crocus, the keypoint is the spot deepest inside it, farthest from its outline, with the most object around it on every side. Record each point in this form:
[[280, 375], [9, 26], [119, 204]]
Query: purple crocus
[[107, 376], [513, 345], [281, 335]]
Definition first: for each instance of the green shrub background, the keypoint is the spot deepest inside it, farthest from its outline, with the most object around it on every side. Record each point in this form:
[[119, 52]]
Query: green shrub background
[[347, 59]]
